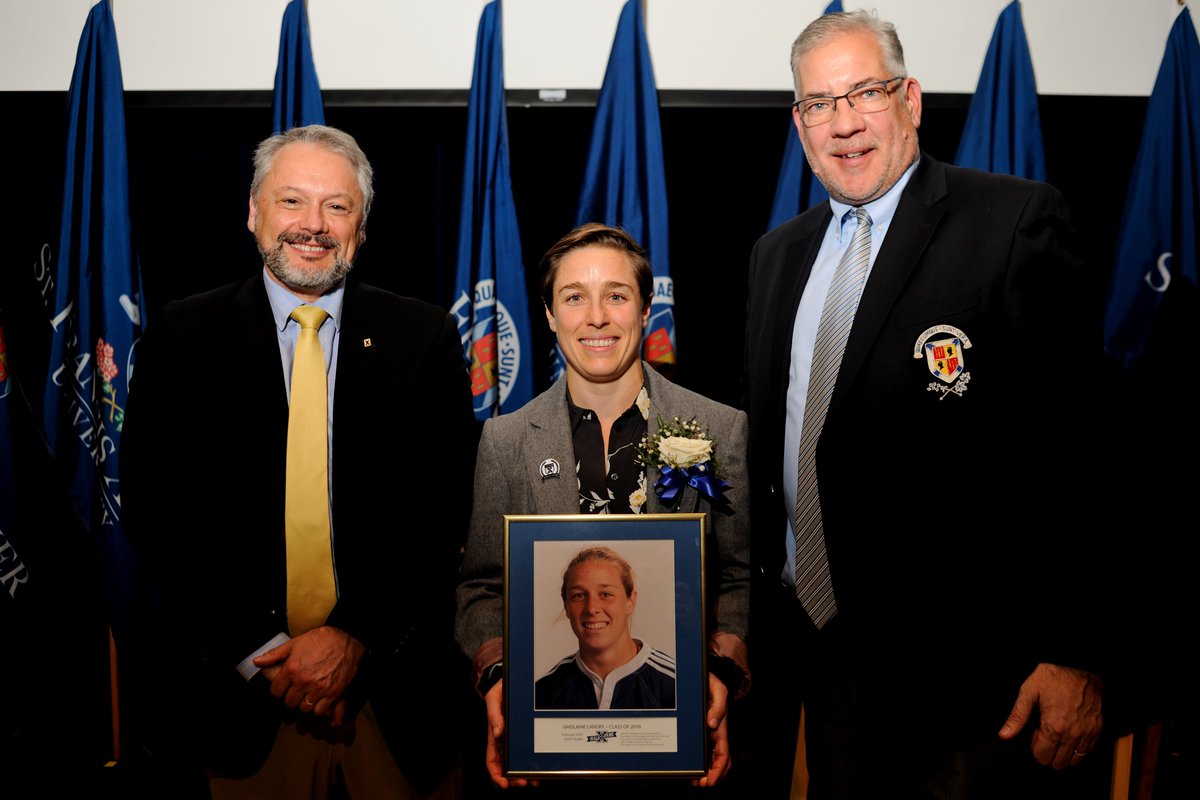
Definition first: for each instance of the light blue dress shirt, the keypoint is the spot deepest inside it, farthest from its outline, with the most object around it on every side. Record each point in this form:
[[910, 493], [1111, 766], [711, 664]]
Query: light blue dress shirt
[[283, 303], [804, 332]]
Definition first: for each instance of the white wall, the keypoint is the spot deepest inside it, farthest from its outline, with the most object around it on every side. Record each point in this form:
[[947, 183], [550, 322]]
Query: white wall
[[1080, 47]]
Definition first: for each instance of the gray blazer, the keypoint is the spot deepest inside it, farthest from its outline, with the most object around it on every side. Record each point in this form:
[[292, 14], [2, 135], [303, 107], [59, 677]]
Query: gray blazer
[[508, 481]]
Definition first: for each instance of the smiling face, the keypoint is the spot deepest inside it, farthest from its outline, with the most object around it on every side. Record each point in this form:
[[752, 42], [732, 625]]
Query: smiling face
[[598, 315], [599, 609], [307, 219], [857, 157]]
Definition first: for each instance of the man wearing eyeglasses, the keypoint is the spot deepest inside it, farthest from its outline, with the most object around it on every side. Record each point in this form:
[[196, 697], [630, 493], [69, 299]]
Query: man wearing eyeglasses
[[914, 460]]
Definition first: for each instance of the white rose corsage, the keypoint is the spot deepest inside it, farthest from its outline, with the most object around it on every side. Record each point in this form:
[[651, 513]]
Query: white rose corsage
[[682, 452]]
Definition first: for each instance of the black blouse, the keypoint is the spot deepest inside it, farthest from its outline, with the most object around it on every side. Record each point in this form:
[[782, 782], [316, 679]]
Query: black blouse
[[612, 483]]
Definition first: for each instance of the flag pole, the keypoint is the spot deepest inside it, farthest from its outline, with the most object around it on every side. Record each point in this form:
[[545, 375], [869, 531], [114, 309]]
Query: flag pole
[[114, 691], [114, 696]]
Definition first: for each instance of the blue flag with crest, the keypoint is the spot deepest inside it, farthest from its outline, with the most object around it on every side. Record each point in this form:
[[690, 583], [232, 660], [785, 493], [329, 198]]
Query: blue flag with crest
[[798, 189], [297, 98], [1003, 132], [491, 307], [1156, 244], [625, 182], [96, 313]]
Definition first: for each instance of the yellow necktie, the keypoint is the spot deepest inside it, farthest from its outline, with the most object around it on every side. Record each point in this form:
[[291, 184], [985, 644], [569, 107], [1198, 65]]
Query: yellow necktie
[[310, 588]]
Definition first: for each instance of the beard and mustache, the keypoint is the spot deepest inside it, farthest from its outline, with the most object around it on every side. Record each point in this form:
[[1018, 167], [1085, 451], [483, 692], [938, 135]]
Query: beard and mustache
[[310, 280]]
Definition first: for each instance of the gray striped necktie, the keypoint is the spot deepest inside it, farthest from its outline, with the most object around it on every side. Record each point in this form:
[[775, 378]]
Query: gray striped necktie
[[814, 587]]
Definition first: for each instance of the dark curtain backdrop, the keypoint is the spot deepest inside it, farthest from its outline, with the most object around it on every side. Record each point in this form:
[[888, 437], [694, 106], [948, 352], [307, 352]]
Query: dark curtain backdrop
[[189, 157], [190, 153]]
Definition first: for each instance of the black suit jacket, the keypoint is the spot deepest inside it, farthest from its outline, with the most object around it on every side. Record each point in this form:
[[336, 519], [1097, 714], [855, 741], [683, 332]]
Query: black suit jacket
[[203, 488], [945, 515]]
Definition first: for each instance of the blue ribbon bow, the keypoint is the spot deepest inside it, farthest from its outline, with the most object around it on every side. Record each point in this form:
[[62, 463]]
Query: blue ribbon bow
[[698, 476]]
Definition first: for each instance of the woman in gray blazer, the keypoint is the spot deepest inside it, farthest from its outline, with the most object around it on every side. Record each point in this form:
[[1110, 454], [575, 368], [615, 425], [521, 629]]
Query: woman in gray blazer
[[575, 449]]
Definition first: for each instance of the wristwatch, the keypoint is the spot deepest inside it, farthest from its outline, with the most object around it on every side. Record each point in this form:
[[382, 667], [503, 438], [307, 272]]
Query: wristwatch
[[488, 678]]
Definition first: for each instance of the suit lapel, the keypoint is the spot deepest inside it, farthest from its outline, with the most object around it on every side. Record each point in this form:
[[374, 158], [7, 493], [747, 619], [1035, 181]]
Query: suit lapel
[[798, 262], [917, 217], [665, 402], [355, 359], [660, 406], [548, 437], [261, 341], [256, 373]]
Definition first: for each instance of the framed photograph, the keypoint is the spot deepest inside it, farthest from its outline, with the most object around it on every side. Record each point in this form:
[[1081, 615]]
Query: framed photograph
[[604, 621]]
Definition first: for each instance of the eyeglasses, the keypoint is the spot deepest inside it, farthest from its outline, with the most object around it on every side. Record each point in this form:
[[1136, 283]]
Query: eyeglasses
[[867, 99]]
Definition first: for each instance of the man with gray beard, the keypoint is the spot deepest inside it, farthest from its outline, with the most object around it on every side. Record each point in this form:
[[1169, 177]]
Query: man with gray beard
[[301, 663]]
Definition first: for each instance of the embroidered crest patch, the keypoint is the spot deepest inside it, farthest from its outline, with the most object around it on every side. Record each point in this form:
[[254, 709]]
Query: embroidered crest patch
[[944, 358]]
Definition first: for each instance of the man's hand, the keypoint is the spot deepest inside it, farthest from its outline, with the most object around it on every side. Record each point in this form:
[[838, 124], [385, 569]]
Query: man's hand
[[1068, 703], [717, 707], [494, 700], [312, 671]]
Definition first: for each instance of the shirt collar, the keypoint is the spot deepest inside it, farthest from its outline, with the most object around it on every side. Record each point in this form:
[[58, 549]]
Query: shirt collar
[[641, 405], [613, 678], [881, 209], [283, 302]]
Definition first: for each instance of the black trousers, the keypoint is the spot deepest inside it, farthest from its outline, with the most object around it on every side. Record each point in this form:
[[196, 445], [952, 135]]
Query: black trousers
[[871, 732]]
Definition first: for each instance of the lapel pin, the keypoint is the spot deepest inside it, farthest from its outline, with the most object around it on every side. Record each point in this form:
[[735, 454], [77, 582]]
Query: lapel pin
[[366, 342], [549, 469]]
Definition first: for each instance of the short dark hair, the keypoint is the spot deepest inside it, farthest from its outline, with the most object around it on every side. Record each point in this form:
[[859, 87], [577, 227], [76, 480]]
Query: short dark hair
[[595, 234]]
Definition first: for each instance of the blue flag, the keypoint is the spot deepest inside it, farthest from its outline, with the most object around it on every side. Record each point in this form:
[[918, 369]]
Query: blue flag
[[625, 182], [1003, 132], [491, 306], [297, 92], [1157, 241], [798, 189], [96, 316]]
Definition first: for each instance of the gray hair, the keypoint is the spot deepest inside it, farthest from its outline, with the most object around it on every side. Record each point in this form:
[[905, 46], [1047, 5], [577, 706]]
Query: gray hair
[[824, 29], [331, 139]]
